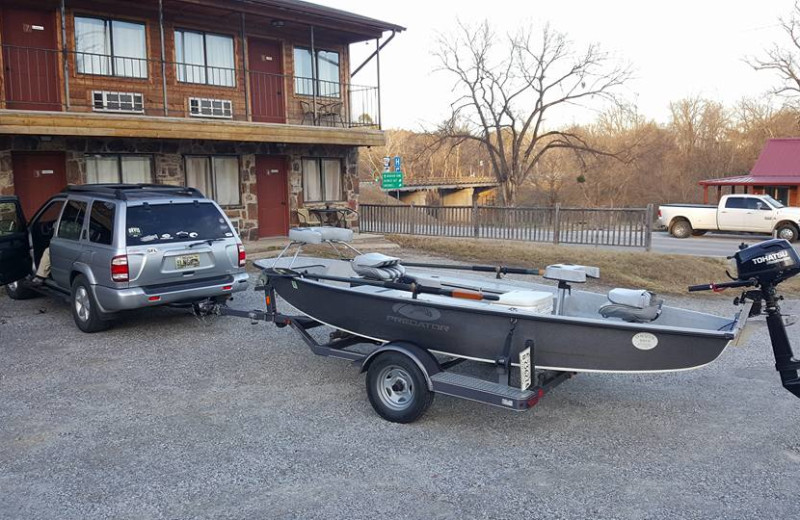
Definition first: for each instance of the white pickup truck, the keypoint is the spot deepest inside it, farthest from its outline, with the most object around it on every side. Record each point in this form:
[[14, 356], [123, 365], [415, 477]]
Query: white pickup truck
[[750, 213]]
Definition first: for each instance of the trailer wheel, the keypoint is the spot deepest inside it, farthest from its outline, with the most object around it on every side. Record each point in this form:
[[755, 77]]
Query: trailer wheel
[[397, 388], [681, 229]]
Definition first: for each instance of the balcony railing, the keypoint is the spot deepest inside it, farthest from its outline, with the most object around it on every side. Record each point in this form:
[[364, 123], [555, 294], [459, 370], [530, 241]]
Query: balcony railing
[[33, 79]]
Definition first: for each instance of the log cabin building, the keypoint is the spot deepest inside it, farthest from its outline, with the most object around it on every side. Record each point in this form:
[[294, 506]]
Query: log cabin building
[[250, 101]]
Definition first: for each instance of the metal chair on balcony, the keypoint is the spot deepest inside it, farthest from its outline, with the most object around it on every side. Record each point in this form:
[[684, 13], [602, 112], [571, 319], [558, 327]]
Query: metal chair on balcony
[[331, 111], [308, 112]]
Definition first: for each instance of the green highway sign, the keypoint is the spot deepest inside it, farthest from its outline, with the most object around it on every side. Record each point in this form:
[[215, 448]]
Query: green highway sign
[[391, 180]]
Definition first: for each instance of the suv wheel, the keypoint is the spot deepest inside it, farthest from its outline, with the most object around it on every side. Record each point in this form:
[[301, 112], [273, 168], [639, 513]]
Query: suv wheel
[[85, 311], [17, 291]]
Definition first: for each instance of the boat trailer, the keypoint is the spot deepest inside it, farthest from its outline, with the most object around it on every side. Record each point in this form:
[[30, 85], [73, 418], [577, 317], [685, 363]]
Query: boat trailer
[[402, 377], [391, 392]]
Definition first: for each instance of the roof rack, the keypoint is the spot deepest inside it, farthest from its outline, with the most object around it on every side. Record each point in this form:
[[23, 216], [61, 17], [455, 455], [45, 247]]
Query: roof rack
[[124, 191]]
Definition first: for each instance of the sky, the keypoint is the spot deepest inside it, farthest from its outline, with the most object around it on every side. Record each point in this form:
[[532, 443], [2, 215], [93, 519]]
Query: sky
[[677, 48]]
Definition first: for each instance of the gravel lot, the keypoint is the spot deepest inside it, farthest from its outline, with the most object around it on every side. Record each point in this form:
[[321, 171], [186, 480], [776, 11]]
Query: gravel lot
[[167, 417]]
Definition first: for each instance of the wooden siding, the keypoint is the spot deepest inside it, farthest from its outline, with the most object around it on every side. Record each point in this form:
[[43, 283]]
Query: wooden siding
[[16, 122], [82, 85]]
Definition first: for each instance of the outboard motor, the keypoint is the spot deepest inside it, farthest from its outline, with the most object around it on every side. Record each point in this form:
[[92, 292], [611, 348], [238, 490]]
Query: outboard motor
[[764, 266]]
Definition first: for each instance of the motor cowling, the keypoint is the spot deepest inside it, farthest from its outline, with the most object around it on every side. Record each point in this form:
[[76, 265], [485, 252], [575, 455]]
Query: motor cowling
[[769, 262]]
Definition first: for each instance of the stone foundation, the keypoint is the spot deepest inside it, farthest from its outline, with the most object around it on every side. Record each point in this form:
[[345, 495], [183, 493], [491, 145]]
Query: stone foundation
[[168, 167]]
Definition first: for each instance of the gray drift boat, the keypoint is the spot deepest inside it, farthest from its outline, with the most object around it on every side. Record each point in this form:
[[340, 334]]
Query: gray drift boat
[[421, 321]]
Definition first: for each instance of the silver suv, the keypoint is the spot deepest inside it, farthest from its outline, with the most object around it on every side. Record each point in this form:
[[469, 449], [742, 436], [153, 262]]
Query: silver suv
[[119, 247]]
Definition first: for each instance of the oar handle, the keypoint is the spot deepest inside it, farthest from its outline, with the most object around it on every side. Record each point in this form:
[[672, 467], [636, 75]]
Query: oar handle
[[412, 287], [499, 269]]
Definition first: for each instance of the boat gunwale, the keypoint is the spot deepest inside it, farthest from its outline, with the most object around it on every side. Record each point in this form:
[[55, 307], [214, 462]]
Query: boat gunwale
[[729, 335]]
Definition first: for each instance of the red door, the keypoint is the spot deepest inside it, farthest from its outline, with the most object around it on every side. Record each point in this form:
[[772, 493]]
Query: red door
[[30, 60], [266, 80], [37, 177], [273, 195]]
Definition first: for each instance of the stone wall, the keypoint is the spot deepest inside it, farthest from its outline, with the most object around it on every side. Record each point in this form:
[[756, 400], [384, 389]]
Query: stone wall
[[169, 167]]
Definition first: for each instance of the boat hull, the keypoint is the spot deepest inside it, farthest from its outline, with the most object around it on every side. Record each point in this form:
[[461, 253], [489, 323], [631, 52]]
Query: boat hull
[[557, 342]]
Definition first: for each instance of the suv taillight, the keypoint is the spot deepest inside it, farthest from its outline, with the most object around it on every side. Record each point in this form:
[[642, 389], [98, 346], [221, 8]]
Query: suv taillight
[[242, 255], [119, 268]]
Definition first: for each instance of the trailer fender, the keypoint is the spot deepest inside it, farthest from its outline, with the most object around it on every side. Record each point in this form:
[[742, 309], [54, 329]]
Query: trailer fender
[[424, 359]]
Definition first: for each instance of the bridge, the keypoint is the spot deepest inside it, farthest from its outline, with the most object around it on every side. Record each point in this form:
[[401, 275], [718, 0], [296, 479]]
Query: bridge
[[454, 191]]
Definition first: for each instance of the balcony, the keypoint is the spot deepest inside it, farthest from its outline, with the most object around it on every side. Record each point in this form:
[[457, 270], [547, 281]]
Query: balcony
[[131, 97]]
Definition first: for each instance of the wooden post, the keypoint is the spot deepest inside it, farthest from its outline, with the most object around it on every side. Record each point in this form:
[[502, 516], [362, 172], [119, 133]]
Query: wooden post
[[476, 227], [557, 223], [245, 70], [705, 194], [648, 229], [65, 53], [314, 73], [163, 55]]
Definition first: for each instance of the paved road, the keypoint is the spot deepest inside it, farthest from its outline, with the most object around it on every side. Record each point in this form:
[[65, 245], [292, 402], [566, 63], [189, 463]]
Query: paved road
[[164, 417], [708, 245]]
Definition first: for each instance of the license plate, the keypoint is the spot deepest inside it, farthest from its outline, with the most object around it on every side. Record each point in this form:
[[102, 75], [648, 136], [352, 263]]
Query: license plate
[[187, 261], [525, 369]]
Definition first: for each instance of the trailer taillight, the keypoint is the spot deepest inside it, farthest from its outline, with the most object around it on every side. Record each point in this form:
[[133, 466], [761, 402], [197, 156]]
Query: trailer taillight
[[659, 212], [119, 268], [242, 255]]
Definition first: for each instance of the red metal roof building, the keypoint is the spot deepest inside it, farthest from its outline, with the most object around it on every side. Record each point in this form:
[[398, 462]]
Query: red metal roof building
[[776, 173]]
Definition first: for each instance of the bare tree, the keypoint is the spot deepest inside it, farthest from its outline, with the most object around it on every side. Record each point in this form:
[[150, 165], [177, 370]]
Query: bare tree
[[508, 86], [784, 61]]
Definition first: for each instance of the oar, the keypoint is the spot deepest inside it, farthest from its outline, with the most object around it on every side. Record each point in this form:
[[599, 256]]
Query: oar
[[414, 288], [499, 270]]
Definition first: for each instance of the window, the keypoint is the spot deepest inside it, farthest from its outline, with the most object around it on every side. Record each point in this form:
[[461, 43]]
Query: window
[[204, 58], [217, 177], [736, 203], [10, 222], [115, 169], [72, 220], [161, 223], [327, 84], [322, 180], [101, 222], [779, 193], [110, 47]]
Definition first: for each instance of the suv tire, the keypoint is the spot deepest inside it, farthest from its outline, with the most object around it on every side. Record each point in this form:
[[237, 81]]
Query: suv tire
[[85, 311], [17, 291]]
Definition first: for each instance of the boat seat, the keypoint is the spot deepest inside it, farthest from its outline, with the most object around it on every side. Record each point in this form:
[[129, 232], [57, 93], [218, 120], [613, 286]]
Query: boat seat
[[377, 266], [632, 305], [570, 273], [320, 234]]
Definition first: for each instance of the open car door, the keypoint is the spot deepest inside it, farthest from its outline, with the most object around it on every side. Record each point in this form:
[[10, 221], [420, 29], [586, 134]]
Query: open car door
[[15, 257]]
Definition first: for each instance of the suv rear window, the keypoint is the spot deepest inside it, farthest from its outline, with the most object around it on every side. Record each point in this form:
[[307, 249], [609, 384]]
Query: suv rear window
[[164, 223]]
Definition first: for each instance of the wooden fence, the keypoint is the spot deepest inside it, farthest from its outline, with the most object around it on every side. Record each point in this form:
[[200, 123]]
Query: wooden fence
[[630, 227]]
